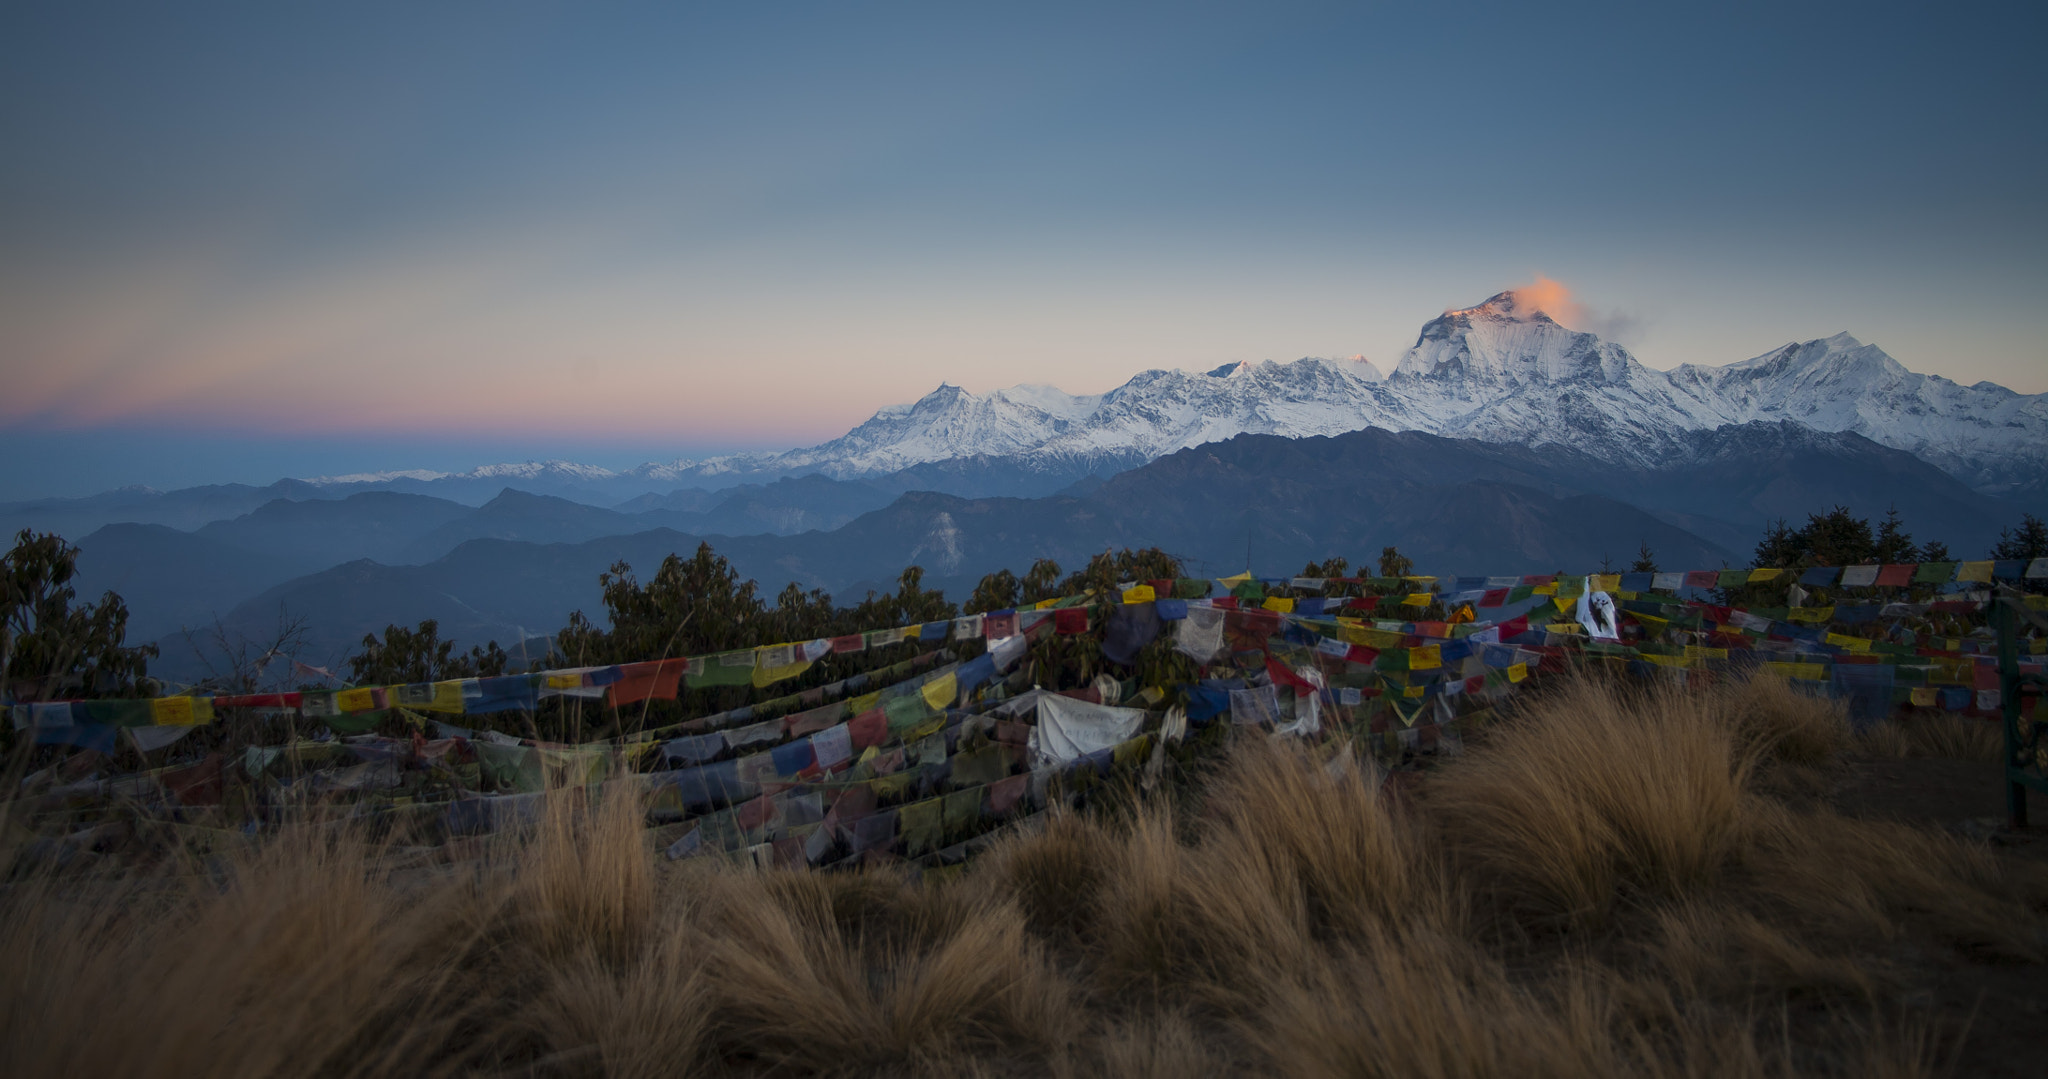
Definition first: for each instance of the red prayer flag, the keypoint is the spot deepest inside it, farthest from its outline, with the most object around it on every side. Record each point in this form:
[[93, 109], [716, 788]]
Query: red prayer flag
[[1702, 578], [1004, 794], [868, 729], [656, 678], [1494, 597], [1070, 620], [850, 643], [1896, 576], [1283, 675], [197, 785]]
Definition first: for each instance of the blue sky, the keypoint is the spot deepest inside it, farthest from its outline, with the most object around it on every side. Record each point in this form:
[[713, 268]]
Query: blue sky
[[240, 241]]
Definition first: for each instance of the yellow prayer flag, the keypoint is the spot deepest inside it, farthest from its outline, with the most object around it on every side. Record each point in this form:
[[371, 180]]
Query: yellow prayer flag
[[939, 692], [564, 681], [360, 699], [1814, 615], [1425, 657], [768, 676], [1518, 672], [1766, 574], [1811, 672], [1544, 589], [1373, 638], [1853, 644], [1278, 604], [1414, 691], [1140, 594], [1565, 627], [447, 698], [1418, 599], [864, 703], [926, 729], [1607, 582], [1974, 571], [1235, 580], [1923, 697], [181, 711]]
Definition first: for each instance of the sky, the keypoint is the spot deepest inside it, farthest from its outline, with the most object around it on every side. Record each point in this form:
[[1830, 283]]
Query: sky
[[242, 241]]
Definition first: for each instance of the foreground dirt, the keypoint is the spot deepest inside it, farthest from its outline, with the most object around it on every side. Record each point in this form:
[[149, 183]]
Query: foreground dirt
[[2004, 1004]]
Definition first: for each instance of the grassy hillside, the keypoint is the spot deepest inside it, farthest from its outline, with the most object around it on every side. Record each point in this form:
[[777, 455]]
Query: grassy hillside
[[1610, 881]]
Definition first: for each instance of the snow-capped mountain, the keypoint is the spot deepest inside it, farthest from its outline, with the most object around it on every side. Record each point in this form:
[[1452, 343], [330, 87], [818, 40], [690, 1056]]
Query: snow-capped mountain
[[1500, 372], [1984, 434]]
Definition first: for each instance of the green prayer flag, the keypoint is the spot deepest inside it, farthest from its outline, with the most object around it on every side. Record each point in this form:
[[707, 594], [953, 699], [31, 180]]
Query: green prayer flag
[[905, 712], [922, 826], [509, 768]]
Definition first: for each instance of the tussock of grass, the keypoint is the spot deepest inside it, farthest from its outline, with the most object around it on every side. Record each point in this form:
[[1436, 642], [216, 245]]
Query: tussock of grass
[[1296, 924], [1596, 790], [1767, 714]]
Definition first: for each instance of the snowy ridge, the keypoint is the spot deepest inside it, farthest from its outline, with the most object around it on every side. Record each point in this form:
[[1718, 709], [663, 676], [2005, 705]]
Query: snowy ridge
[[1501, 371]]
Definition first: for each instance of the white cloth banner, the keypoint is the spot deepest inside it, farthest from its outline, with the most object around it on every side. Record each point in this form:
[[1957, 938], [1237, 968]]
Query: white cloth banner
[[1200, 635], [1069, 729]]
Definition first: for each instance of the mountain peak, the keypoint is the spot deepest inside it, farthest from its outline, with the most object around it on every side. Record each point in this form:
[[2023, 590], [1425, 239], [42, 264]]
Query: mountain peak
[[1509, 306]]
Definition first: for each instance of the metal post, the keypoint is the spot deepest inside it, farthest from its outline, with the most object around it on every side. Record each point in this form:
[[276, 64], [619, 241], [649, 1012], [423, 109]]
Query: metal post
[[2009, 700]]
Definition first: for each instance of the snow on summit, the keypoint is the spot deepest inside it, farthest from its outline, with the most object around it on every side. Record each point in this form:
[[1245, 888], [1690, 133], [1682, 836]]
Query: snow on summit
[[1505, 370]]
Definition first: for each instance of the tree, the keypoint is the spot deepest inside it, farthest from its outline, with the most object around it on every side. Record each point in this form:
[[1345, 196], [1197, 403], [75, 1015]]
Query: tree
[[1779, 547], [997, 592], [1646, 559], [1893, 545], [49, 646], [2029, 540], [1835, 538], [420, 655], [1327, 568], [1935, 551], [1394, 564], [1041, 582]]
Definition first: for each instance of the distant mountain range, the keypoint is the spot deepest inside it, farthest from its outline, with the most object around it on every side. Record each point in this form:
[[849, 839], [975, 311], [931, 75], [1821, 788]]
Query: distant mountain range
[[1498, 372], [1502, 442], [1254, 501]]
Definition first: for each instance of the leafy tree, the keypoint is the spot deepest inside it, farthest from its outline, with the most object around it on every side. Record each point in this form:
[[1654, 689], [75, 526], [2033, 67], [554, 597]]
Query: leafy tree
[[911, 604], [1394, 564], [2029, 540], [1041, 581], [48, 645], [420, 655], [997, 592], [1107, 570], [1329, 567]]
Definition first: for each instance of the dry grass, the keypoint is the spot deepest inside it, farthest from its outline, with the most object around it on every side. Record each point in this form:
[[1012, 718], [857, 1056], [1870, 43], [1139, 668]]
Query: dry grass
[[1598, 793], [1598, 888]]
